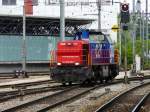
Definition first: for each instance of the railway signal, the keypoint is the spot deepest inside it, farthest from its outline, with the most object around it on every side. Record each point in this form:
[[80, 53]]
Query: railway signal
[[125, 16]]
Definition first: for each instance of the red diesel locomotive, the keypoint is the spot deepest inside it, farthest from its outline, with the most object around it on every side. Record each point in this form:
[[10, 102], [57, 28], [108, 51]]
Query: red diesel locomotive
[[89, 57]]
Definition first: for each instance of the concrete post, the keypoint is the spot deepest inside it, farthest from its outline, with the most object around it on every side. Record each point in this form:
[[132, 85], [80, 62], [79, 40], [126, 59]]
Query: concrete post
[[143, 36], [24, 42], [147, 38], [99, 14], [62, 20]]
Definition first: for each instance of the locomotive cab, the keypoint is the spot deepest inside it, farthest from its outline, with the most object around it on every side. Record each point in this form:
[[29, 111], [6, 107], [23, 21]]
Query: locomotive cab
[[72, 53], [72, 61]]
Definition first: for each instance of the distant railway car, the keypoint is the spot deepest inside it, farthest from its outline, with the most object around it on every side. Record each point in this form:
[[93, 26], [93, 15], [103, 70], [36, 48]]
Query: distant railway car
[[89, 57]]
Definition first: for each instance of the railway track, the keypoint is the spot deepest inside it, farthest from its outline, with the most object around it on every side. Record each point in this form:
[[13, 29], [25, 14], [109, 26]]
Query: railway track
[[37, 103], [17, 90], [27, 84], [33, 103], [11, 74], [127, 101], [51, 101], [5, 96]]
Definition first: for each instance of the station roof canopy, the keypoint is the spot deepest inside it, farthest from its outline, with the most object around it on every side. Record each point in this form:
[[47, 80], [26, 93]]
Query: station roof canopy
[[38, 25]]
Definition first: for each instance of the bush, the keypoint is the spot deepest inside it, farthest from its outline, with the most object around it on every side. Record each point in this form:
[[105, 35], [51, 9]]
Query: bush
[[147, 66]]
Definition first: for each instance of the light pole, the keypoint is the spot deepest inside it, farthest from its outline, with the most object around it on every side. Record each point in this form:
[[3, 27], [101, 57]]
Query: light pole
[[138, 8], [62, 20], [24, 43], [125, 15], [147, 38], [120, 42], [133, 35], [143, 36], [99, 14]]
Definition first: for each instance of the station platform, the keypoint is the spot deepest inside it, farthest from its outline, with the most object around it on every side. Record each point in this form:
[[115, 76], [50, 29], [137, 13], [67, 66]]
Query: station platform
[[130, 75]]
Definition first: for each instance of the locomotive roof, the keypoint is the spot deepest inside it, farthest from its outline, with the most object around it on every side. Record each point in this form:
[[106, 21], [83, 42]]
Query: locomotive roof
[[78, 41], [95, 32]]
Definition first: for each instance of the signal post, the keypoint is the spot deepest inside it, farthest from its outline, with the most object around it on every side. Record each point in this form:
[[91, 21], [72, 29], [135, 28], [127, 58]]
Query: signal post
[[125, 18]]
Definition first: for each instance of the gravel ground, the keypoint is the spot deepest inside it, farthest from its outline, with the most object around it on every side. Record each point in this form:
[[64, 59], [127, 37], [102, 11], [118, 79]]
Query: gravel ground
[[142, 91], [21, 100], [96, 98], [7, 80]]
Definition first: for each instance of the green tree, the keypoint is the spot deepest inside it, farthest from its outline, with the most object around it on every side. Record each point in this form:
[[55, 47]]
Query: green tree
[[138, 49]]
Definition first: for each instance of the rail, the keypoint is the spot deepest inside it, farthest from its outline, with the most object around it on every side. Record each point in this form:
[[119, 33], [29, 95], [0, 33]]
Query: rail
[[25, 84], [141, 102], [5, 96]]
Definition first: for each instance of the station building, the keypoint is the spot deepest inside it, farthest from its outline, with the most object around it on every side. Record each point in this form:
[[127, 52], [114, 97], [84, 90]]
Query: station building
[[42, 32]]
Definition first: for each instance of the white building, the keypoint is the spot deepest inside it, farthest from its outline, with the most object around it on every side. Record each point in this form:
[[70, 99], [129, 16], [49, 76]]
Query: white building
[[74, 9]]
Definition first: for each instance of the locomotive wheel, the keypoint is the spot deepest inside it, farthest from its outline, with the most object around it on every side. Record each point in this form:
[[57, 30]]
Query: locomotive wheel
[[70, 83], [64, 84], [106, 80], [101, 81], [96, 76], [100, 77], [87, 82], [93, 78]]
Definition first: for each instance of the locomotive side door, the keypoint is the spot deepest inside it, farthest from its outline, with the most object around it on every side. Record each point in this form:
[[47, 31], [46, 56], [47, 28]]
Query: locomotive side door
[[85, 54]]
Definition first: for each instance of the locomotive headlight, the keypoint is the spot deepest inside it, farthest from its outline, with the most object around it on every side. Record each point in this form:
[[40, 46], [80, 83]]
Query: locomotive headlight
[[77, 63], [58, 64]]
